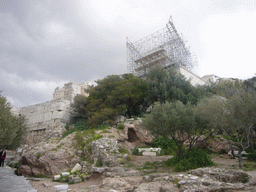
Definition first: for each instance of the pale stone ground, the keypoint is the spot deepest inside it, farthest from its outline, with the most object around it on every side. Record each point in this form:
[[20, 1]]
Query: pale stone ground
[[47, 185]]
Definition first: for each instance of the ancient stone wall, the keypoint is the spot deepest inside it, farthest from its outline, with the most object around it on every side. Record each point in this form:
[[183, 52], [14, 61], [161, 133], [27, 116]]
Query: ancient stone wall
[[48, 120], [194, 79], [70, 90]]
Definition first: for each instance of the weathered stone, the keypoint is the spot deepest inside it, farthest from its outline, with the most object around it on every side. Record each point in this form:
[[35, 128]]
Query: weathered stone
[[105, 151], [48, 120], [76, 168], [147, 153], [63, 174], [115, 183], [56, 177], [157, 150], [74, 179], [152, 187], [49, 158], [98, 169], [61, 188]]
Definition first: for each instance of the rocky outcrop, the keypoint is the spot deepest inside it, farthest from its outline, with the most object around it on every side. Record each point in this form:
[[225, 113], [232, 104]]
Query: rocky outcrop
[[105, 152], [203, 179], [133, 135], [49, 158]]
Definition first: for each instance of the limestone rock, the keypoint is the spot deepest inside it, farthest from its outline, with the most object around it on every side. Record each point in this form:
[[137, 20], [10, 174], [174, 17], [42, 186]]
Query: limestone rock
[[49, 158], [105, 152], [64, 174], [76, 168], [74, 179], [56, 177], [115, 183], [149, 187]]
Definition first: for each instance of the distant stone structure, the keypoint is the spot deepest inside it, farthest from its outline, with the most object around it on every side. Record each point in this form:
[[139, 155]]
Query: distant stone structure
[[47, 120], [193, 78]]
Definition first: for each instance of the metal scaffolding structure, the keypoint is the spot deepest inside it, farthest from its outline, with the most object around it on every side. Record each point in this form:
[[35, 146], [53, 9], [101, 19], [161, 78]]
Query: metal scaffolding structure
[[164, 47]]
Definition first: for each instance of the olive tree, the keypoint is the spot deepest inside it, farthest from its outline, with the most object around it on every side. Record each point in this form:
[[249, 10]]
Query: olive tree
[[235, 116], [177, 121]]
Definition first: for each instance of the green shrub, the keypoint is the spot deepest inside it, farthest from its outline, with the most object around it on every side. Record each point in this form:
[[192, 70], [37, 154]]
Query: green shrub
[[16, 165], [194, 160], [135, 151], [251, 156], [120, 126], [93, 138], [123, 150], [80, 125], [79, 139], [167, 145]]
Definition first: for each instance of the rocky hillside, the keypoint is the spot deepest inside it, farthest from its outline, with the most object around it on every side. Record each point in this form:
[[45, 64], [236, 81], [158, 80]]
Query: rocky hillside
[[106, 164], [54, 156]]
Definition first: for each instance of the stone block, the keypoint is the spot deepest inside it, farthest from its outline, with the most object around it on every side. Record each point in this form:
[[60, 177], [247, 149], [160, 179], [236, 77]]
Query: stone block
[[146, 153], [56, 177], [157, 150], [76, 168], [63, 174], [98, 169], [74, 179], [61, 188]]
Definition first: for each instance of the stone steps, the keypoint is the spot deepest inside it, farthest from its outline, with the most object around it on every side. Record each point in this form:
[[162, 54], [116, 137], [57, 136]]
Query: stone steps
[[9, 182]]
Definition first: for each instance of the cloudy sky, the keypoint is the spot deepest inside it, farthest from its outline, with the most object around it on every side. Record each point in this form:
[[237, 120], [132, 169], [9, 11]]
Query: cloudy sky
[[47, 43]]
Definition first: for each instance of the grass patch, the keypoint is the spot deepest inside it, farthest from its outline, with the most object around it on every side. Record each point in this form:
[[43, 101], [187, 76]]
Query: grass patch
[[120, 126], [123, 150], [130, 165], [149, 165], [249, 167]]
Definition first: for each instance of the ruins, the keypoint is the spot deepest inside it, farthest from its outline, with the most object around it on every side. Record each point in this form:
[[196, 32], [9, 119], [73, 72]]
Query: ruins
[[165, 47], [47, 120]]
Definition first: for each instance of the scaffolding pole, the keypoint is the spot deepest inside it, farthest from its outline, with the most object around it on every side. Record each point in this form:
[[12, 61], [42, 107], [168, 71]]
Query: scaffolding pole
[[164, 47]]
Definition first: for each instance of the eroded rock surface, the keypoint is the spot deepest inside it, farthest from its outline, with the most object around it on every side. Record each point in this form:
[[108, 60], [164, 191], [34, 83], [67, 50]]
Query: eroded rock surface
[[49, 158]]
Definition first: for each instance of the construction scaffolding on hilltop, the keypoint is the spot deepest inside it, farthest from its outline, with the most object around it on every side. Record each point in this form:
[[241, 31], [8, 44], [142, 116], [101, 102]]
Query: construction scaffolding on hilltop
[[164, 47]]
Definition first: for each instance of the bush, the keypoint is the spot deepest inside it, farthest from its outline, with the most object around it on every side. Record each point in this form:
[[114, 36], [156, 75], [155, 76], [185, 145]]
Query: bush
[[194, 160], [167, 145], [135, 151], [120, 126], [123, 150], [251, 156], [79, 126]]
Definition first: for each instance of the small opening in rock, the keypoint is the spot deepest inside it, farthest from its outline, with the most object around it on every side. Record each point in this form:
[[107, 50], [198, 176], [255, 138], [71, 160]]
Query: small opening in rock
[[132, 137]]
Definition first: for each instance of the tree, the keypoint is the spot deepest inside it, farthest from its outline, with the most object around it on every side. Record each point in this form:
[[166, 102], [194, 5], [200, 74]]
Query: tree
[[250, 83], [163, 85], [157, 80], [12, 128], [114, 95], [78, 107], [176, 121], [235, 116]]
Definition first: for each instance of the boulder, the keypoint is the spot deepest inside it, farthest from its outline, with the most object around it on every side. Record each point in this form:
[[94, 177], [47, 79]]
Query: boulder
[[105, 152], [49, 158], [74, 179], [115, 183]]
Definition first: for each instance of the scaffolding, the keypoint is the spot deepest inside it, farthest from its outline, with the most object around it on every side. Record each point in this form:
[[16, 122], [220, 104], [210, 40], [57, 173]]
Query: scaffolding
[[164, 47]]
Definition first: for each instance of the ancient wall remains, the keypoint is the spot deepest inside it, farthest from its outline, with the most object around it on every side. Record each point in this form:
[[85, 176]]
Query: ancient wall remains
[[194, 79], [48, 120], [70, 90]]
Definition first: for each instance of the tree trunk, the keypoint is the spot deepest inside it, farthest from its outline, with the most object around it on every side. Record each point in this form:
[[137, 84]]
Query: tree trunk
[[180, 152], [240, 158], [251, 140]]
